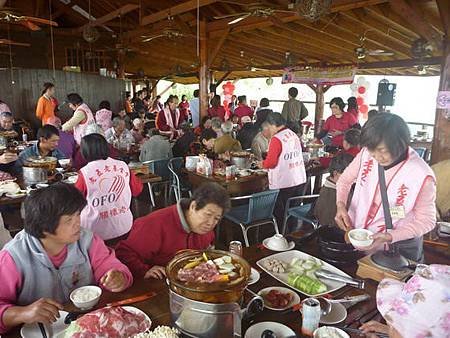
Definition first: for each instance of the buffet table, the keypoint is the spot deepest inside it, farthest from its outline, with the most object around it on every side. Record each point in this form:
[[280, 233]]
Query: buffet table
[[157, 307]]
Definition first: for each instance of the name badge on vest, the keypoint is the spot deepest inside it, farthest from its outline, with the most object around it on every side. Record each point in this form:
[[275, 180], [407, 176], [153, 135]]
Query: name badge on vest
[[398, 212]]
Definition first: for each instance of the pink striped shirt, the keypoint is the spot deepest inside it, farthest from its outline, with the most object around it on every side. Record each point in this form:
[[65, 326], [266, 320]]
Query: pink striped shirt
[[421, 220], [101, 257]]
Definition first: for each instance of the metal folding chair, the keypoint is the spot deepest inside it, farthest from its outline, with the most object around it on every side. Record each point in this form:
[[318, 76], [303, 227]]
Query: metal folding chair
[[257, 212], [177, 185], [159, 168], [299, 210]]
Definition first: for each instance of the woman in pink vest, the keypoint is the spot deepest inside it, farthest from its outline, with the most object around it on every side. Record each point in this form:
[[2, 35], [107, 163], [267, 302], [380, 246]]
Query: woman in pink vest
[[411, 188], [284, 161], [103, 116], [108, 186], [169, 119], [81, 118]]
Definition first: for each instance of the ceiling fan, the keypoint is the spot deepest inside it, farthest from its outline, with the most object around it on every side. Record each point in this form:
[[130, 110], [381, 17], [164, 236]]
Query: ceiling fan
[[10, 16], [170, 32], [257, 9], [361, 51], [6, 42]]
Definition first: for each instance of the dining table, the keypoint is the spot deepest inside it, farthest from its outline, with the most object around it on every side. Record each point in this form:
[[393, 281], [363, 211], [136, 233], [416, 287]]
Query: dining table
[[157, 307]]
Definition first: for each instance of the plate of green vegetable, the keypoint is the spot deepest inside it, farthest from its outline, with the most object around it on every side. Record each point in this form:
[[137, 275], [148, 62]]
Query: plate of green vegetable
[[299, 273]]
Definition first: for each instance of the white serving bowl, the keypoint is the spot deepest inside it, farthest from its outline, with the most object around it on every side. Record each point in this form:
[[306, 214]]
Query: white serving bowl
[[325, 331], [64, 162], [360, 238], [94, 293], [278, 242]]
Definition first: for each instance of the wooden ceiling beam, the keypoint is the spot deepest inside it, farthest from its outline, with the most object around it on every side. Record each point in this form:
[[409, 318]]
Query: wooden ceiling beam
[[112, 15], [253, 23], [401, 7], [217, 48], [444, 13], [175, 10], [398, 23]]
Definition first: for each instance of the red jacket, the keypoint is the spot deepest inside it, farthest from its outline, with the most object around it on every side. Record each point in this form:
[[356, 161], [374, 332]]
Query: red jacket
[[243, 110], [217, 112], [334, 124], [156, 238]]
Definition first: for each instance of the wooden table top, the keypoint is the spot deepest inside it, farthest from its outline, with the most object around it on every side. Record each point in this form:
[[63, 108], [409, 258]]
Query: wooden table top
[[157, 308]]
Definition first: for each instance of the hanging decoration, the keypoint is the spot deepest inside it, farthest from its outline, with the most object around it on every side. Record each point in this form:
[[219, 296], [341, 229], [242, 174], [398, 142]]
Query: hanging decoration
[[319, 75], [228, 91], [359, 90]]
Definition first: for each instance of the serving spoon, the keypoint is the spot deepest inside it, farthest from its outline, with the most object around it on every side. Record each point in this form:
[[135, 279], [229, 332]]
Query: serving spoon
[[271, 334]]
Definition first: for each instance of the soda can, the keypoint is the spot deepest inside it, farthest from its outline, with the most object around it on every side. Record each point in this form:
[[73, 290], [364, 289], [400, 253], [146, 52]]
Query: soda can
[[229, 172], [311, 316], [235, 248]]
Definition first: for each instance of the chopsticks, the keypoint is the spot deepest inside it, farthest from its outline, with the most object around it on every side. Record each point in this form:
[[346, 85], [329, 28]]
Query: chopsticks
[[42, 329], [133, 299]]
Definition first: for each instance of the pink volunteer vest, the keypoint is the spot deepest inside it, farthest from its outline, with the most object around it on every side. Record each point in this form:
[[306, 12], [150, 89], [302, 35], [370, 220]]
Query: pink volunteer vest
[[78, 130], [108, 198], [403, 189], [290, 170]]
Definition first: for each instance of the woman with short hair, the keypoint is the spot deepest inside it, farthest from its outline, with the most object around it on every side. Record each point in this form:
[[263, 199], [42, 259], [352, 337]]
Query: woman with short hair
[[81, 118], [51, 257], [411, 188], [216, 109], [103, 116], [108, 186], [156, 238]]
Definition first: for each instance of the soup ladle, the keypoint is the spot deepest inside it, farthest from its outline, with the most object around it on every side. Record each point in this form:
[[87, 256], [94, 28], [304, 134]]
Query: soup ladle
[[271, 334]]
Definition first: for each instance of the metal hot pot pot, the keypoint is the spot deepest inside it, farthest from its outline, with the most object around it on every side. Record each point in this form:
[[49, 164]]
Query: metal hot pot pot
[[242, 159], [209, 310]]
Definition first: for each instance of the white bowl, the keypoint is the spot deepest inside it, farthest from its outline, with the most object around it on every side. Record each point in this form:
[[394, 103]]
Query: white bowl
[[87, 301], [360, 238], [64, 162], [278, 242], [326, 331]]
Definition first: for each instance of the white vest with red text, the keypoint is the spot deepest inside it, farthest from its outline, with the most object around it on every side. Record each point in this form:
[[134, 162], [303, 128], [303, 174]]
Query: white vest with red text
[[108, 211], [79, 129], [290, 170], [402, 190]]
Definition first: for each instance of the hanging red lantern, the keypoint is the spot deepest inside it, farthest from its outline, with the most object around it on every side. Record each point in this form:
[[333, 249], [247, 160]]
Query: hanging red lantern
[[361, 90], [364, 108], [360, 100]]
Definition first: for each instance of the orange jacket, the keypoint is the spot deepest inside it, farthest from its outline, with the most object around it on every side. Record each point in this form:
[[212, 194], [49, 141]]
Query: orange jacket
[[45, 109]]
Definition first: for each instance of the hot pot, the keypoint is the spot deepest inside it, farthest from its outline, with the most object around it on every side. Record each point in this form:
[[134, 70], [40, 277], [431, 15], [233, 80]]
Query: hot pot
[[242, 159], [213, 310]]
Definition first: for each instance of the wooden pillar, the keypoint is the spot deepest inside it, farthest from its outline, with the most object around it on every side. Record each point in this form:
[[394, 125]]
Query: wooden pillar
[[204, 73], [441, 140], [320, 91], [153, 94]]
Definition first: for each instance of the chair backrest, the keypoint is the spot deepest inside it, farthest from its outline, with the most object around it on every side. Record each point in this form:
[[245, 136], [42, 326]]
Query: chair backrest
[[261, 205], [175, 166], [421, 151], [160, 168]]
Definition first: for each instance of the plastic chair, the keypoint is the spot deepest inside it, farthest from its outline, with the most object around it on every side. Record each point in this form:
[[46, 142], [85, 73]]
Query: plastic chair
[[159, 168], [177, 185], [257, 212], [299, 211]]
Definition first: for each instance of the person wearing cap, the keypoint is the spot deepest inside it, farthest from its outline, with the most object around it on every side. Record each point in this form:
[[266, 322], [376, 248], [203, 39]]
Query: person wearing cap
[[226, 142], [418, 308]]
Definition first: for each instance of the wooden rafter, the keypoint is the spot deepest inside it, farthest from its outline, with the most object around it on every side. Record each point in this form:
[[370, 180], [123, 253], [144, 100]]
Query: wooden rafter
[[444, 13], [217, 48], [401, 7], [174, 10], [112, 15]]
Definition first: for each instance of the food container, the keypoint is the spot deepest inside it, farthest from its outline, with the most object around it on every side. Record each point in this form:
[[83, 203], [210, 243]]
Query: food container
[[241, 159], [86, 297], [360, 238], [315, 149], [191, 162], [45, 162], [216, 293], [33, 175]]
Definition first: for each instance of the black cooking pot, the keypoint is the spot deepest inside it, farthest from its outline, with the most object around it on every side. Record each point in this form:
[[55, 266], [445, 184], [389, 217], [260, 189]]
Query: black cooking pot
[[333, 247]]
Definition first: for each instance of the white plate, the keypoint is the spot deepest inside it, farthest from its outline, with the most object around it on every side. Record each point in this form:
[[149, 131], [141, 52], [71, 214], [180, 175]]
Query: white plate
[[254, 277], [71, 179], [290, 246], [287, 257], [135, 310], [280, 330], [337, 314], [16, 195], [295, 297], [33, 331]]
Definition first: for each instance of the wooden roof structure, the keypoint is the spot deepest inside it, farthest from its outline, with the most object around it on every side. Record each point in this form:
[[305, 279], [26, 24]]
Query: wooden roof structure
[[258, 46]]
